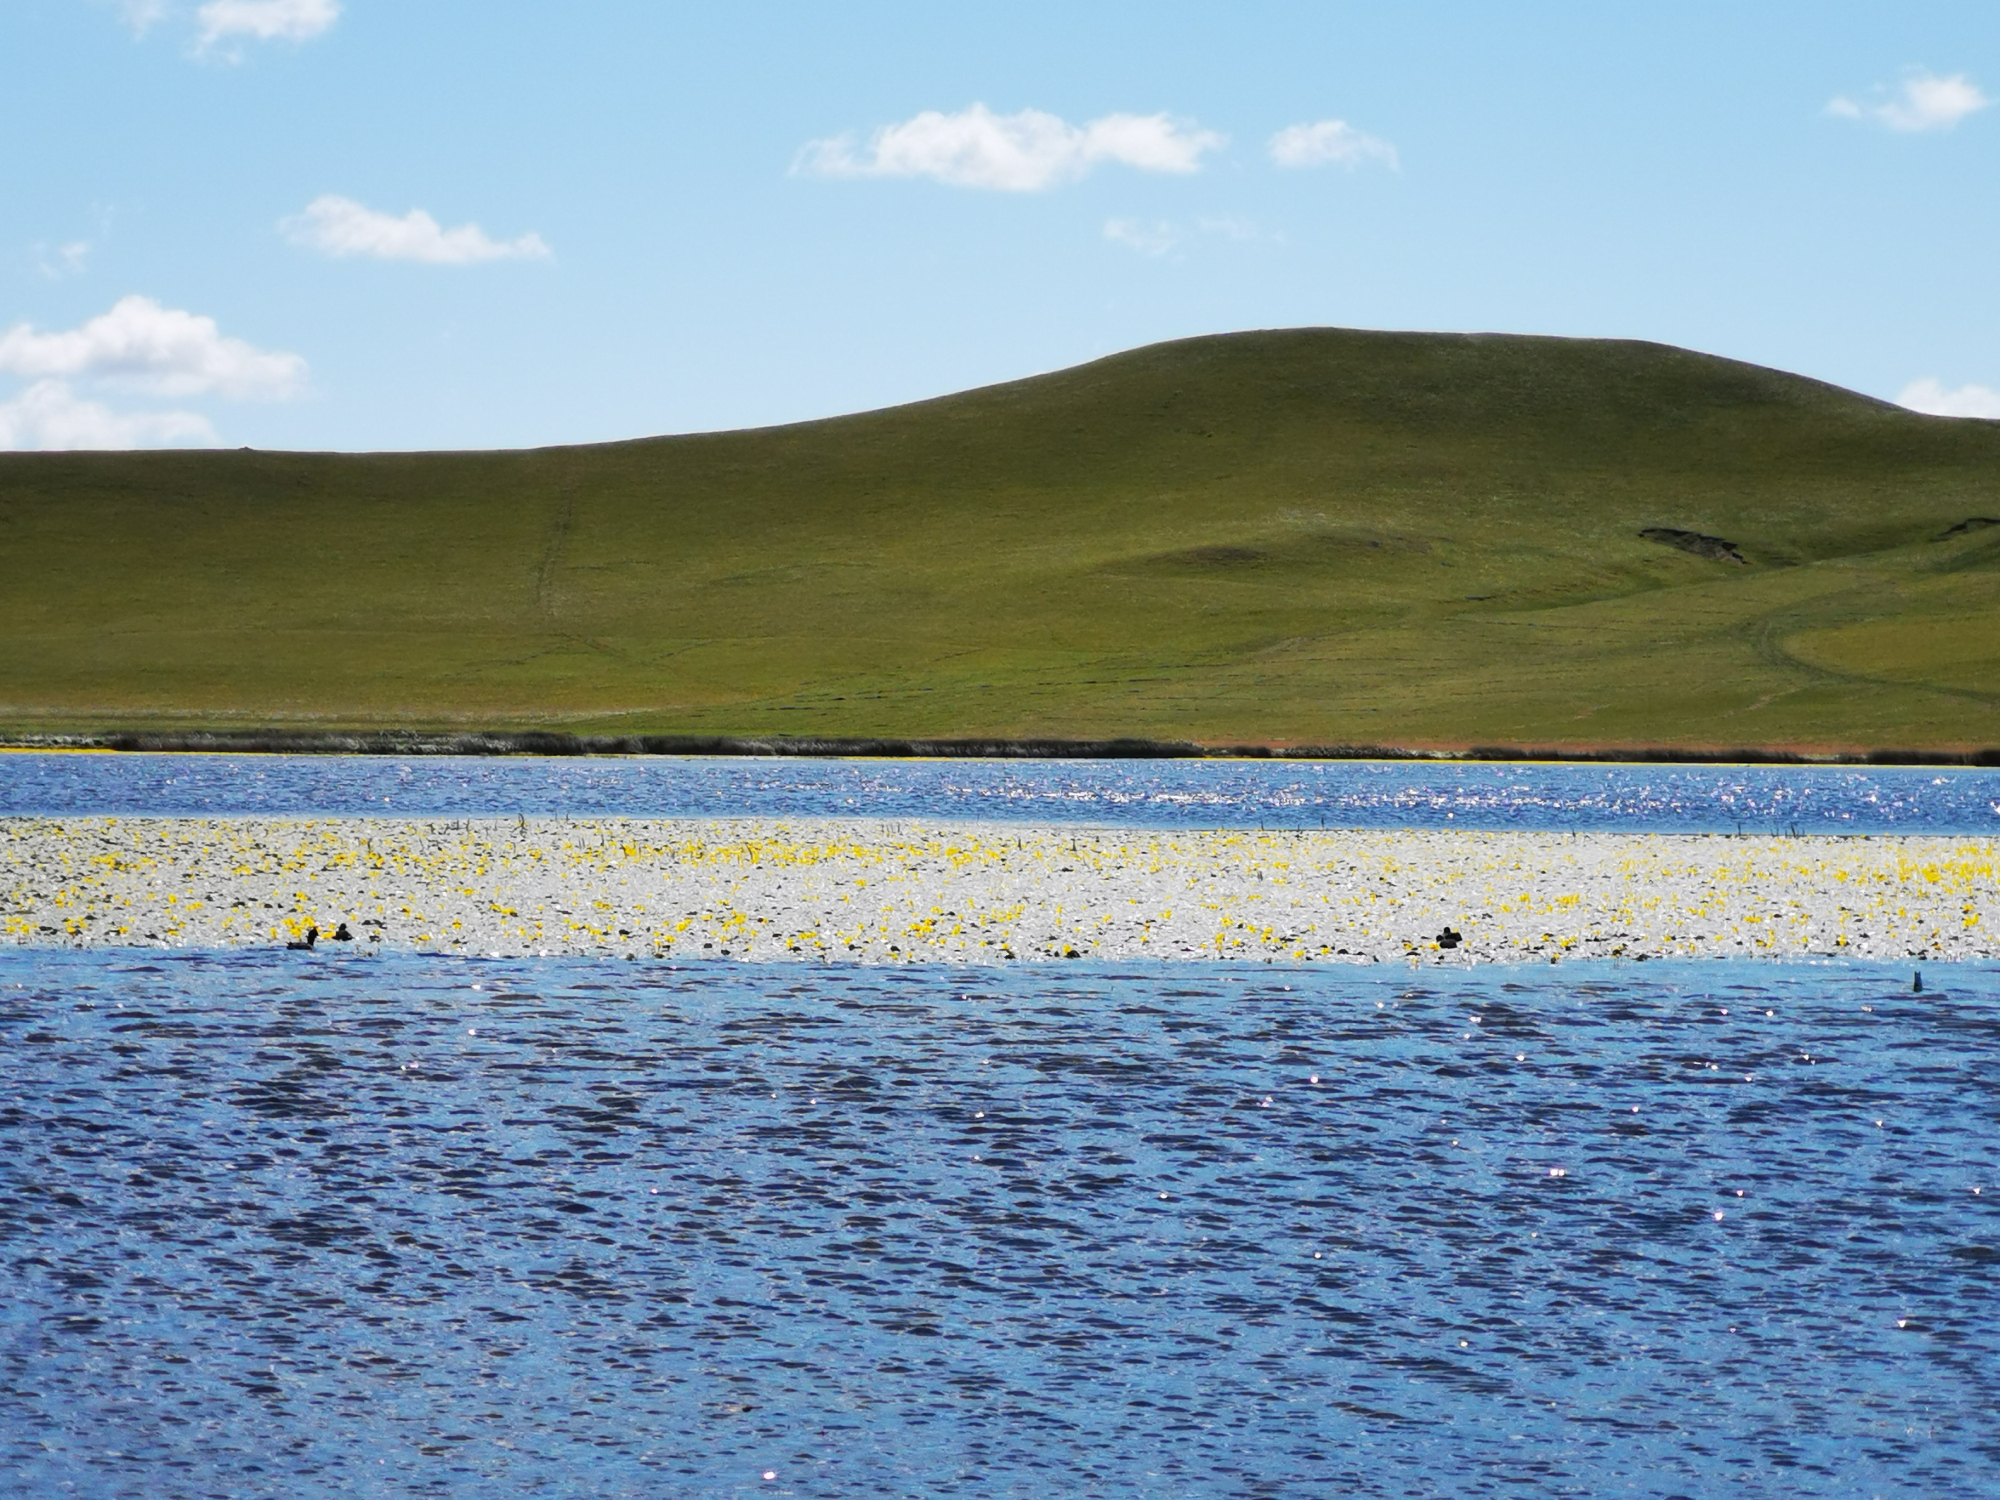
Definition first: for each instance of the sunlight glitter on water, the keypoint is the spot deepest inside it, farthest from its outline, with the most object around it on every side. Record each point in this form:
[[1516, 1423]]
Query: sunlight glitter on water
[[1144, 794], [1126, 1231]]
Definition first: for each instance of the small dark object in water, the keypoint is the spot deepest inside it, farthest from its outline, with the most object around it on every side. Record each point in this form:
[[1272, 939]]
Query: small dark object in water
[[1917, 983], [342, 935], [312, 936], [1450, 939], [1714, 548]]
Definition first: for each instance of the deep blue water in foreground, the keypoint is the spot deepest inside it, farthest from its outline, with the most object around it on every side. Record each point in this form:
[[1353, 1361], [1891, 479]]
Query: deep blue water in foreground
[[1154, 793], [314, 1226]]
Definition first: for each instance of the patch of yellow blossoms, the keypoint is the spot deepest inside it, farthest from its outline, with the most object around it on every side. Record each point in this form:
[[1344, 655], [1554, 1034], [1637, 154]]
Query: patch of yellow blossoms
[[876, 891]]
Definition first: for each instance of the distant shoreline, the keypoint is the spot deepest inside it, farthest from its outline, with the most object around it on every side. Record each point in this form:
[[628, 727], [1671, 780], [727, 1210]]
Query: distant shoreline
[[555, 743]]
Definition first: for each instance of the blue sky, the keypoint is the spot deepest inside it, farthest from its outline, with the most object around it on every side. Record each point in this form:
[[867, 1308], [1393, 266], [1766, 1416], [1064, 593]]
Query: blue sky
[[358, 224]]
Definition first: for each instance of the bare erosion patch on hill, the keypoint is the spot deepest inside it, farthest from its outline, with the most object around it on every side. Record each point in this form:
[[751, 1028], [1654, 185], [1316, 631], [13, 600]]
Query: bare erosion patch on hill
[[1712, 547], [1969, 524]]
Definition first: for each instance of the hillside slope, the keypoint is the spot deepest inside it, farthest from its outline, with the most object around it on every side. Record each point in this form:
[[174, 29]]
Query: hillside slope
[[1311, 535]]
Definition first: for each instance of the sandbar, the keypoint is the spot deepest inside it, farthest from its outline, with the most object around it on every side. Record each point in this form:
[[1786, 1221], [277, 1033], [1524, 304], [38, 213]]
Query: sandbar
[[879, 891]]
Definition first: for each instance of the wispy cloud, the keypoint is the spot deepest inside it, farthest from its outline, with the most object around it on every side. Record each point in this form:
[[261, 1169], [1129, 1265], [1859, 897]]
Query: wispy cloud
[[49, 415], [1931, 396], [59, 261], [1148, 239], [1018, 153], [1925, 102], [223, 21], [1329, 142], [139, 345], [1158, 237], [141, 15], [341, 227], [1230, 227]]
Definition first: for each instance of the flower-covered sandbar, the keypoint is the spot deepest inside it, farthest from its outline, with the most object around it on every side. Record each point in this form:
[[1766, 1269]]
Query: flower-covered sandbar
[[893, 891]]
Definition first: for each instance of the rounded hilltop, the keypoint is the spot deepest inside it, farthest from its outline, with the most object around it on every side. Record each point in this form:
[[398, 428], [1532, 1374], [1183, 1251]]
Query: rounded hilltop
[[1321, 536]]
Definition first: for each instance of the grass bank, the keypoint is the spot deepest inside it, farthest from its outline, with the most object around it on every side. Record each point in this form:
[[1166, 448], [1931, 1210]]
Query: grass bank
[[1298, 538]]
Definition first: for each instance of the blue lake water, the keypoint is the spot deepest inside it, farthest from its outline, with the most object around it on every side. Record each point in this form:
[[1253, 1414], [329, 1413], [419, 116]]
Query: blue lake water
[[311, 1226], [1160, 794], [316, 1226]]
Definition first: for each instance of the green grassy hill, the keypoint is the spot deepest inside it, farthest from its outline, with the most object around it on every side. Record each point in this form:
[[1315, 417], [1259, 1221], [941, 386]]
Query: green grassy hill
[[1306, 536]]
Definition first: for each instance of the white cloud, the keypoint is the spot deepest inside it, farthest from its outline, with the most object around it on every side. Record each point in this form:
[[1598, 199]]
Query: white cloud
[[1933, 398], [222, 24], [140, 345], [1147, 239], [48, 414], [340, 226], [1329, 141], [1927, 102], [262, 20], [1020, 153]]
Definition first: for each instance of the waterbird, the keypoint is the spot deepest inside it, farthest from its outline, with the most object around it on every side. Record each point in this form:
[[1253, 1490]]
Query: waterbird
[[1450, 939], [342, 935], [312, 936]]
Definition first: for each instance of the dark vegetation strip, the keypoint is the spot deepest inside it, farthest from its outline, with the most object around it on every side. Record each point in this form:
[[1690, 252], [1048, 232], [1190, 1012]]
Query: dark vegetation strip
[[545, 742]]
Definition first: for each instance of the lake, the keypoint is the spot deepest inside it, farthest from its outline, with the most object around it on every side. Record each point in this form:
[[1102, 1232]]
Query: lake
[[313, 1225]]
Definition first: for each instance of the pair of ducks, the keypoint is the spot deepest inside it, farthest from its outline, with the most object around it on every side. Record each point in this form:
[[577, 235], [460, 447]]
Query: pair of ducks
[[340, 935]]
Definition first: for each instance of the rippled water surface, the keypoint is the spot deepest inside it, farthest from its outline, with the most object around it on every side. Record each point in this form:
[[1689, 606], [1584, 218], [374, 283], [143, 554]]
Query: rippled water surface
[[1152, 793], [310, 1226]]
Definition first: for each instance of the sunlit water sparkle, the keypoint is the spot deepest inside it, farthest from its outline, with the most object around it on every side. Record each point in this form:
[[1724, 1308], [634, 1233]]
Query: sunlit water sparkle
[[1149, 794], [309, 1225]]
